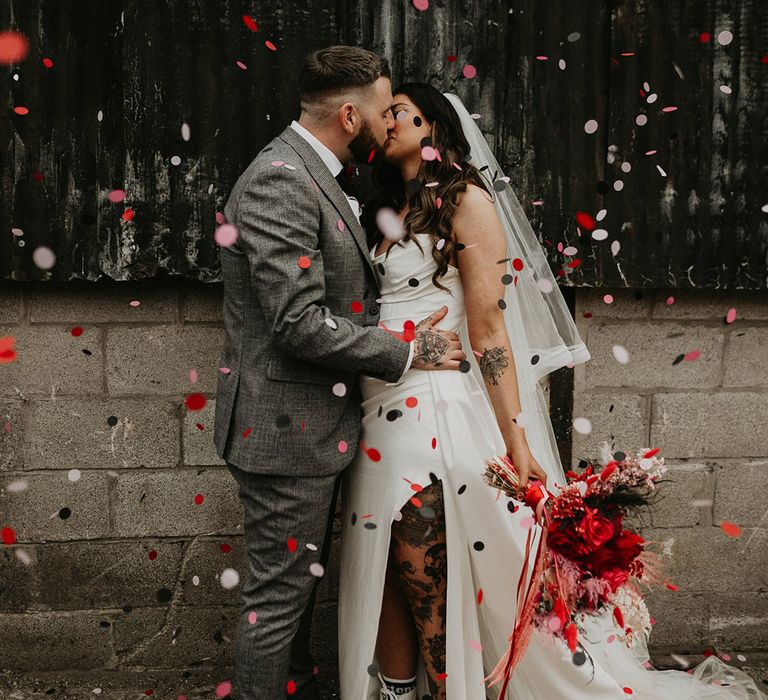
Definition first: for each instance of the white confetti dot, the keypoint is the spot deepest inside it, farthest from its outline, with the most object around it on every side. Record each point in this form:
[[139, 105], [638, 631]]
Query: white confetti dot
[[73, 475], [641, 120], [229, 579], [43, 257], [339, 389], [582, 425], [175, 160], [626, 167], [618, 185], [389, 224], [521, 419], [316, 569], [661, 170], [620, 354], [725, 90], [651, 98], [591, 126], [615, 247], [574, 36], [330, 322], [601, 215], [545, 286], [764, 208], [185, 134], [570, 250], [724, 38], [599, 234], [561, 64]]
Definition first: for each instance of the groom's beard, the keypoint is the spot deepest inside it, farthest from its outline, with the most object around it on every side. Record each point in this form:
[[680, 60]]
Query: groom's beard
[[362, 145]]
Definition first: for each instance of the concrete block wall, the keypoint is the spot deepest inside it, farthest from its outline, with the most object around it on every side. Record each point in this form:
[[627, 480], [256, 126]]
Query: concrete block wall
[[709, 416], [116, 567]]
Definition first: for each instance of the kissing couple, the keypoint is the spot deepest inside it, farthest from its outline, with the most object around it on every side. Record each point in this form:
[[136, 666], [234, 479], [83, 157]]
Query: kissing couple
[[388, 350]]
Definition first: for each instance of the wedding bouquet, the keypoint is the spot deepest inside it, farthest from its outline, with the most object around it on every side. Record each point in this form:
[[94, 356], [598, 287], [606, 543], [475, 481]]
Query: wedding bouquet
[[586, 561]]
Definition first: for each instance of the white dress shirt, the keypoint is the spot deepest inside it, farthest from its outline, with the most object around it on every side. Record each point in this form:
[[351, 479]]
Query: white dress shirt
[[335, 166]]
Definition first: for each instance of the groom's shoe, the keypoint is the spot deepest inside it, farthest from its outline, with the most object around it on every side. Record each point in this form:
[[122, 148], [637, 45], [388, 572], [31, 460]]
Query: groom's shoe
[[386, 694]]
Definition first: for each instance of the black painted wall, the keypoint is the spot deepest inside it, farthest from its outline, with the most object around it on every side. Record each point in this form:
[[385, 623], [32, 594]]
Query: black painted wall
[[127, 74]]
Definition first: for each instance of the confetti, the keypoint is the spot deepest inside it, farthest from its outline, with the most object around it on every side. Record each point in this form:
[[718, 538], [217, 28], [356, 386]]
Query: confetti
[[13, 47], [584, 220], [620, 354], [600, 234], [195, 402], [469, 71], [304, 262], [223, 689], [270, 46], [724, 38], [343, 446], [730, 317], [730, 529], [590, 126], [421, 5], [692, 356], [44, 257], [250, 23], [389, 224], [582, 425], [226, 235]]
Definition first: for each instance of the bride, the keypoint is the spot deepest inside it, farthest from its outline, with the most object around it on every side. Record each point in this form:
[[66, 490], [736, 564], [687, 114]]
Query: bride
[[430, 553]]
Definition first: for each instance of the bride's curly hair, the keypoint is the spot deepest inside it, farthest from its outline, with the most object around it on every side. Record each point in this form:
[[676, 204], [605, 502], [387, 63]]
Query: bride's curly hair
[[423, 215]]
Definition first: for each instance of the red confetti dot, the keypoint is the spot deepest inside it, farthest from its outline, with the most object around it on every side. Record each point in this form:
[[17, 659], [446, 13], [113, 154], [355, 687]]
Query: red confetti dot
[[128, 215], [271, 46], [672, 587], [451, 58], [574, 263], [730, 529], [290, 687], [226, 548], [480, 596], [292, 544], [250, 23], [247, 432], [408, 335], [357, 307], [441, 676], [373, 454], [518, 264], [38, 176], [77, 331], [195, 402], [652, 452], [705, 37], [764, 60], [628, 690], [199, 498], [8, 535], [434, 443], [152, 555], [199, 426], [48, 63], [584, 220], [304, 262], [411, 402], [587, 314], [21, 111], [13, 47], [416, 501]]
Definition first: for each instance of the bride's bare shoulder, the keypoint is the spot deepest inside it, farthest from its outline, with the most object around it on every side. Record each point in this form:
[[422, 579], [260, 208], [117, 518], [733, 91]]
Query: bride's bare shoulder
[[473, 200]]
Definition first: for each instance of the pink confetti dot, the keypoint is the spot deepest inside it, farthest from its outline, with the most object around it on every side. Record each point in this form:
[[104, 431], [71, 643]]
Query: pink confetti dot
[[670, 301], [421, 5], [340, 225], [608, 299], [116, 196], [542, 58], [241, 65], [469, 71], [692, 355], [730, 317], [135, 303], [13, 47], [270, 46], [252, 617], [343, 446], [475, 645], [438, 202], [225, 235], [223, 689]]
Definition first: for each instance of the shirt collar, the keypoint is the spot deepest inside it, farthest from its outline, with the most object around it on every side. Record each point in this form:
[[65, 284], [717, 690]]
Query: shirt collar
[[327, 155]]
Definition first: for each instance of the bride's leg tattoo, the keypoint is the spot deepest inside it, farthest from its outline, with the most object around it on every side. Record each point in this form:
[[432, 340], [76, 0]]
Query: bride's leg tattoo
[[419, 546]]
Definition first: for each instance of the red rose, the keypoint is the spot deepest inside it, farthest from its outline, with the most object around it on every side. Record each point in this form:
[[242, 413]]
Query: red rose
[[627, 547], [561, 538], [615, 577], [597, 529]]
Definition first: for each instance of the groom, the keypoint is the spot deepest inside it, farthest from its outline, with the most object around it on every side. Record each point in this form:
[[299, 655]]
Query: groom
[[300, 324]]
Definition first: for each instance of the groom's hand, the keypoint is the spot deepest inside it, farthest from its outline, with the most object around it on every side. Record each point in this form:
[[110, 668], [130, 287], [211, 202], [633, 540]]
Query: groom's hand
[[435, 348]]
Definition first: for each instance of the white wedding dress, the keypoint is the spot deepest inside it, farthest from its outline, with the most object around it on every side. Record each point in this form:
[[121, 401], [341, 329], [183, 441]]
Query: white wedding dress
[[448, 428]]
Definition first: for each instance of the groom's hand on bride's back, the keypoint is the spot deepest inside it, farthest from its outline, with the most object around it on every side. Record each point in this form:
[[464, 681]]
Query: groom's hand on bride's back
[[435, 348]]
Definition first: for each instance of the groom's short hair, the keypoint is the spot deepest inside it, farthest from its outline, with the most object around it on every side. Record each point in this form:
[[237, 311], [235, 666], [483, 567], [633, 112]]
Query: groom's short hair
[[334, 72]]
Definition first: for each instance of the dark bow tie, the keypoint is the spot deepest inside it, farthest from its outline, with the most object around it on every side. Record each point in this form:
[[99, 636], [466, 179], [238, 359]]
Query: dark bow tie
[[345, 182]]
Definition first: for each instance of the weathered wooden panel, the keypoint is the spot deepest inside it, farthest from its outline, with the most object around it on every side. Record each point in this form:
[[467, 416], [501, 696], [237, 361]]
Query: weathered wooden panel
[[129, 73]]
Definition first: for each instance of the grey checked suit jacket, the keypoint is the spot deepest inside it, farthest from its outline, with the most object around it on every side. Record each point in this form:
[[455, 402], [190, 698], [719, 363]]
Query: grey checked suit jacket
[[291, 334]]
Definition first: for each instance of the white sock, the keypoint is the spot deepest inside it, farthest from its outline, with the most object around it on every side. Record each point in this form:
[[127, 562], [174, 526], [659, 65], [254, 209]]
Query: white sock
[[400, 686]]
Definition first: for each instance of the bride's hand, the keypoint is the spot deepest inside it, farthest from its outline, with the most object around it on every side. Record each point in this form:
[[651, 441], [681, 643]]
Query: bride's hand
[[526, 465]]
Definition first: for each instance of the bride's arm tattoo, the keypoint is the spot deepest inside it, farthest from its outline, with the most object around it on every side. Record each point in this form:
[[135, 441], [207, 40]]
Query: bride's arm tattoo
[[429, 348], [493, 363]]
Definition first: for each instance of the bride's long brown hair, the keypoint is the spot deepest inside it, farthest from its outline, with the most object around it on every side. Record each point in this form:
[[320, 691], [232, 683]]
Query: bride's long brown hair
[[423, 214]]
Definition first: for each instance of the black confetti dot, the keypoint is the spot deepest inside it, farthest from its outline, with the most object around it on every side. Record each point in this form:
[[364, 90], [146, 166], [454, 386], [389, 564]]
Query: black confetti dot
[[417, 120], [462, 489], [87, 352], [464, 366], [354, 518], [394, 414], [678, 359], [373, 669], [112, 421], [502, 304], [105, 624], [534, 359], [610, 409], [380, 411], [583, 464], [500, 185], [619, 456], [478, 546], [413, 282], [507, 279], [268, 148], [127, 608], [460, 246], [64, 513], [579, 658], [164, 595], [283, 422], [512, 507], [426, 141], [370, 526]]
